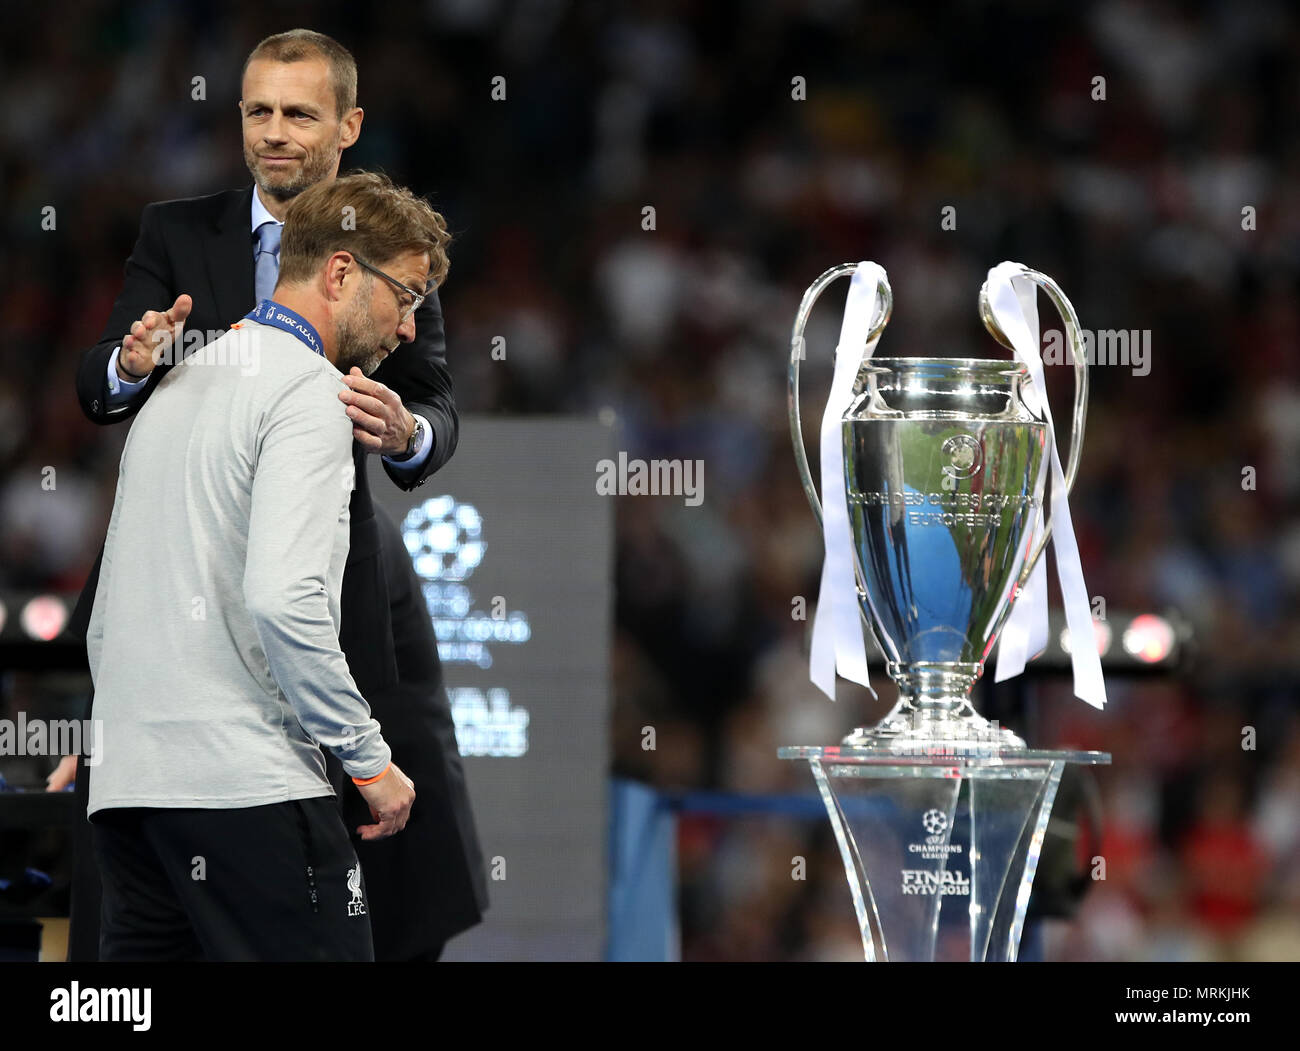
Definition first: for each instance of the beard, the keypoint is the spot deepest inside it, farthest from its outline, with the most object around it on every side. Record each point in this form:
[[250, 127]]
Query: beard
[[284, 185], [357, 337]]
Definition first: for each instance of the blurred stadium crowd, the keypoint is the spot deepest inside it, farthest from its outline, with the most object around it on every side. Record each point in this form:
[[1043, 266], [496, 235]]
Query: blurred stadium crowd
[[1133, 202]]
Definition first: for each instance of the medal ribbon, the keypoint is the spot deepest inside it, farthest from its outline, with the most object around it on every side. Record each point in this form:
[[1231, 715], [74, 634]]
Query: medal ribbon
[[269, 312]]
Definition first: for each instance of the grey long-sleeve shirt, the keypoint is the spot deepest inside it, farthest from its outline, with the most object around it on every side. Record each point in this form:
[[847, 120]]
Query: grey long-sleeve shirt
[[213, 641]]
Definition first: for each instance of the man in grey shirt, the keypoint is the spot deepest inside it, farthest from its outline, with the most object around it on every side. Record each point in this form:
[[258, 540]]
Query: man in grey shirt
[[213, 640]]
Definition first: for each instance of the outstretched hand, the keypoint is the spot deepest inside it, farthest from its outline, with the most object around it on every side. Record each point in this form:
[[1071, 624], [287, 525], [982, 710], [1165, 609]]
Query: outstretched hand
[[152, 340]]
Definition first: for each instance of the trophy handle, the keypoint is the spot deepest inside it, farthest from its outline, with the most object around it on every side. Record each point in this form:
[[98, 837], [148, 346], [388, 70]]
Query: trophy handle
[[797, 353], [1075, 339]]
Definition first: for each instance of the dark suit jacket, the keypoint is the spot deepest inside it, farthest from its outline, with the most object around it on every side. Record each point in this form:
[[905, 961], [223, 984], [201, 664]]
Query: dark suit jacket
[[203, 246]]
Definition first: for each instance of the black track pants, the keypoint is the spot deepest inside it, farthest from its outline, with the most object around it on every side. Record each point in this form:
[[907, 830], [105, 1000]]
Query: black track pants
[[276, 882]]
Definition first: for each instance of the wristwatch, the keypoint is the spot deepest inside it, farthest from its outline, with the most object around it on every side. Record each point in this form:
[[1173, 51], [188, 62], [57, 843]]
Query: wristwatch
[[417, 439]]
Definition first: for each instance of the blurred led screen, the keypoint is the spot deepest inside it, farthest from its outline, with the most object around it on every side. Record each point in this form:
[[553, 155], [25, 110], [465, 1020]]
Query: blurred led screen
[[513, 548]]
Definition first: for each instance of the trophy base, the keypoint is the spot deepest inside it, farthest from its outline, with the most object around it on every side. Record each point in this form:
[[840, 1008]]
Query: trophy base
[[953, 730], [940, 851]]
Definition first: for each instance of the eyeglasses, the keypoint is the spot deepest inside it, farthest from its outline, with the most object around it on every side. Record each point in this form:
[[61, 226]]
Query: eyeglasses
[[416, 297]]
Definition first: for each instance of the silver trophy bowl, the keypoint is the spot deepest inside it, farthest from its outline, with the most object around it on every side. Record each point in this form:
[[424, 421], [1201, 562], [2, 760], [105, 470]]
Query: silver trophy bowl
[[944, 473]]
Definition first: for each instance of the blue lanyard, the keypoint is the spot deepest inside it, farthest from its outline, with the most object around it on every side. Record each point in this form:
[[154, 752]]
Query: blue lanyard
[[269, 312]]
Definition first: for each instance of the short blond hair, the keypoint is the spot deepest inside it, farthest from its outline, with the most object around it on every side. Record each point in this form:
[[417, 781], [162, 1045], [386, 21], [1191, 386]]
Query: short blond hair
[[297, 45], [364, 213]]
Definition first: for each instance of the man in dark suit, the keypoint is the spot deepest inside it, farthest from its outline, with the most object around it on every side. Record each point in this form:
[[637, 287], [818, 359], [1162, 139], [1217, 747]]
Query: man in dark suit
[[212, 258]]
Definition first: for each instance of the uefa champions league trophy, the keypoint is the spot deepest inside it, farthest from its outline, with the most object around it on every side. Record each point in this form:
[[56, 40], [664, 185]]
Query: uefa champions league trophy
[[932, 543]]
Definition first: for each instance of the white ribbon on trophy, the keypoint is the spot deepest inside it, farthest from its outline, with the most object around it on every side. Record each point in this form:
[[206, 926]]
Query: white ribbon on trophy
[[837, 624], [1013, 301]]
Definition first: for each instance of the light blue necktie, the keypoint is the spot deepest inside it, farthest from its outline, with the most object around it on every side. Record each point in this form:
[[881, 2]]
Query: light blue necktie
[[267, 266]]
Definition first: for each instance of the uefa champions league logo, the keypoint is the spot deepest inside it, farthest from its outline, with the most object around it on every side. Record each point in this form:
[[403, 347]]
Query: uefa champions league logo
[[934, 880], [935, 822], [444, 538], [933, 848], [445, 541]]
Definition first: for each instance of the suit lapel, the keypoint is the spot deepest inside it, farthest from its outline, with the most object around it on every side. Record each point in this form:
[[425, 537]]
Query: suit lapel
[[230, 259]]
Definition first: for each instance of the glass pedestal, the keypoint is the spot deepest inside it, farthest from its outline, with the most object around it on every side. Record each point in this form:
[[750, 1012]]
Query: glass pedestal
[[940, 849]]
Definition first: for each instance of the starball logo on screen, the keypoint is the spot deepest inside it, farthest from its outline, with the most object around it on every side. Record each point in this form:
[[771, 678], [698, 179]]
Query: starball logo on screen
[[445, 541]]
